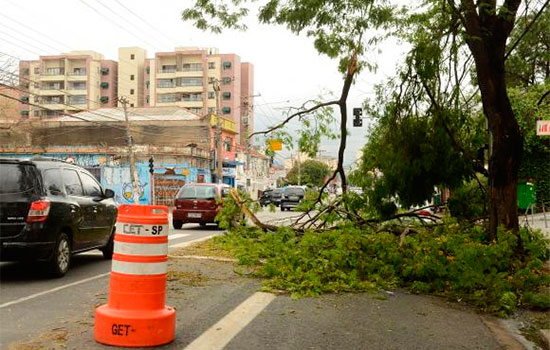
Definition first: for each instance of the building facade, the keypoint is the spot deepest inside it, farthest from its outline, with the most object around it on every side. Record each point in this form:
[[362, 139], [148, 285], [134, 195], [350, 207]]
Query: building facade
[[67, 83], [185, 78]]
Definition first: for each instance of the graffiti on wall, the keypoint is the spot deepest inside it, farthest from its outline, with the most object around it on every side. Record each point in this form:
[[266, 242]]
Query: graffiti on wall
[[118, 179]]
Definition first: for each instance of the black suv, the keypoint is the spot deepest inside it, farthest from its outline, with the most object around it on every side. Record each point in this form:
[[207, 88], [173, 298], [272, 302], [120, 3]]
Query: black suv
[[50, 209], [292, 196]]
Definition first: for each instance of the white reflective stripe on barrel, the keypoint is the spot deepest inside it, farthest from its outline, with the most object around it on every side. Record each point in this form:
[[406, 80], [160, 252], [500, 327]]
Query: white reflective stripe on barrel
[[138, 268], [125, 228], [142, 249]]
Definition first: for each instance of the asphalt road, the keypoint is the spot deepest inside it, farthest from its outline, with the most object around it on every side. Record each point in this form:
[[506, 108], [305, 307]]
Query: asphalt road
[[30, 300], [218, 307]]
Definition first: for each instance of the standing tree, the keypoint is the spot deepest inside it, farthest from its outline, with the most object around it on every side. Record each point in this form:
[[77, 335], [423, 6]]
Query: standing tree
[[310, 172], [338, 28]]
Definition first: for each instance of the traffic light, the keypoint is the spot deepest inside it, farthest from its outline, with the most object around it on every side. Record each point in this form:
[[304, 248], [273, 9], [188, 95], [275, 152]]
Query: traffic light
[[151, 165], [357, 121]]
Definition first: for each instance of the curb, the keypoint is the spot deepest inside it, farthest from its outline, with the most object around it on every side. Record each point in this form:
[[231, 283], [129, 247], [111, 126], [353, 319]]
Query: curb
[[503, 334]]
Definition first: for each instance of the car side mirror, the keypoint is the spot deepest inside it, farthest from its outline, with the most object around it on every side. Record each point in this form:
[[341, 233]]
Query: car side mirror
[[109, 193]]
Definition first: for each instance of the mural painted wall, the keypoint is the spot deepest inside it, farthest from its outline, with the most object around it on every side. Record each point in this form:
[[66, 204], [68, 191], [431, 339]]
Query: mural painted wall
[[115, 173]]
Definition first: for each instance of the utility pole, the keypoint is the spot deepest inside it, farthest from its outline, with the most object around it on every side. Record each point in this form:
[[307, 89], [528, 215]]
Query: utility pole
[[218, 139], [299, 171], [133, 174]]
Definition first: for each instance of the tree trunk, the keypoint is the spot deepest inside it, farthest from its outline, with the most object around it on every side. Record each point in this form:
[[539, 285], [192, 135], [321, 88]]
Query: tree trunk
[[507, 142]]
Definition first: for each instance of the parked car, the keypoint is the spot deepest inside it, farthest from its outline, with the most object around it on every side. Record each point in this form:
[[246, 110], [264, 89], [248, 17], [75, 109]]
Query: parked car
[[50, 209], [198, 203], [276, 196], [292, 196], [265, 198]]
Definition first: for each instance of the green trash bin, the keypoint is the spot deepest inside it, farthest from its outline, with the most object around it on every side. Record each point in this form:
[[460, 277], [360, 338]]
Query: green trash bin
[[526, 195]]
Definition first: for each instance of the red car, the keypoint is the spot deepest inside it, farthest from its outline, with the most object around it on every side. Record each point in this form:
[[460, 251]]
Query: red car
[[198, 203]]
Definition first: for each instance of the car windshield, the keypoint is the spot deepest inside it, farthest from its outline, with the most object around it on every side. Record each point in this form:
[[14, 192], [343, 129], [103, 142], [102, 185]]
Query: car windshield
[[294, 191], [17, 178], [197, 192], [277, 192]]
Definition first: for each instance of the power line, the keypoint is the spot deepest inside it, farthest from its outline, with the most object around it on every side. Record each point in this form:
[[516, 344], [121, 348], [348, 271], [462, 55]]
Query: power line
[[30, 28], [144, 21], [87, 120], [114, 22], [28, 36]]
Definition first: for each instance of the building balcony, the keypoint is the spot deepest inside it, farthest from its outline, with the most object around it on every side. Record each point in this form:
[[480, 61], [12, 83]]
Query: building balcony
[[189, 74], [227, 124], [52, 77], [73, 91], [49, 92], [171, 90], [77, 76], [53, 105], [166, 74]]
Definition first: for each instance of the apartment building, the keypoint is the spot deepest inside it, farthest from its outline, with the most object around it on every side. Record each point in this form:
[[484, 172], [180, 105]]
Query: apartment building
[[67, 83], [185, 78]]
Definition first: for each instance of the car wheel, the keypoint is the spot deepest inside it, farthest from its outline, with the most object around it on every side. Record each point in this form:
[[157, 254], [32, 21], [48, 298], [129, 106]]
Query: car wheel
[[282, 208], [177, 224], [61, 258], [108, 249]]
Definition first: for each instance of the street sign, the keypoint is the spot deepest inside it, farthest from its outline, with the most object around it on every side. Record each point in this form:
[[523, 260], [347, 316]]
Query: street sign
[[275, 144], [357, 112], [543, 127], [357, 121]]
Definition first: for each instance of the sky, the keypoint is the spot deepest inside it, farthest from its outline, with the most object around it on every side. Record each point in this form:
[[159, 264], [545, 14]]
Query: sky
[[288, 69]]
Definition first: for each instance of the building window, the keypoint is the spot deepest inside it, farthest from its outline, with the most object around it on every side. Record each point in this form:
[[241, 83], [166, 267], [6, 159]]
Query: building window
[[226, 80], [211, 65], [37, 113], [228, 144], [226, 110], [191, 67], [147, 84], [166, 83], [166, 98], [191, 82], [147, 99], [191, 97], [131, 91], [226, 65], [132, 77], [77, 100], [211, 95], [36, 86], [132, 56], [131, 105], [226, 95], [211, 80], [37, 70], [36, 99], [168, 69], [211, 110]]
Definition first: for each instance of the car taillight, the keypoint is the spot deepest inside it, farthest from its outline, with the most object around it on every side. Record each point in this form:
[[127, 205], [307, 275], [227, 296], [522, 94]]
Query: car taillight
[[39, 211]]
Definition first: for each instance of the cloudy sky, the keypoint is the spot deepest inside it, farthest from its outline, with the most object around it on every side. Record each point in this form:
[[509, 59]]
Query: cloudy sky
[[288, 70]]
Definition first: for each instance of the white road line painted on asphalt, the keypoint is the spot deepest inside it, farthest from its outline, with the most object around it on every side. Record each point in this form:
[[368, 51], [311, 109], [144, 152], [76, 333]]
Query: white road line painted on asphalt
[[217, 336], [188, 243], [53, 290], [178, 235], [32, 296]]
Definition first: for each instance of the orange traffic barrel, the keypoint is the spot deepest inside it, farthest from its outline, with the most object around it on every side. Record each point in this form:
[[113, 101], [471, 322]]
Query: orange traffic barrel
[[135, 314]]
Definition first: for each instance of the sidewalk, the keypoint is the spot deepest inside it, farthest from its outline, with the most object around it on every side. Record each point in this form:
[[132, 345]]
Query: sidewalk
[[539, 221], [205, 291]]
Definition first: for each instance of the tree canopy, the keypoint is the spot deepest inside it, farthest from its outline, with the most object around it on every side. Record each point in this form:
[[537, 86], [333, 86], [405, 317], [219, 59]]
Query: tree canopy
[[310, 172]]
